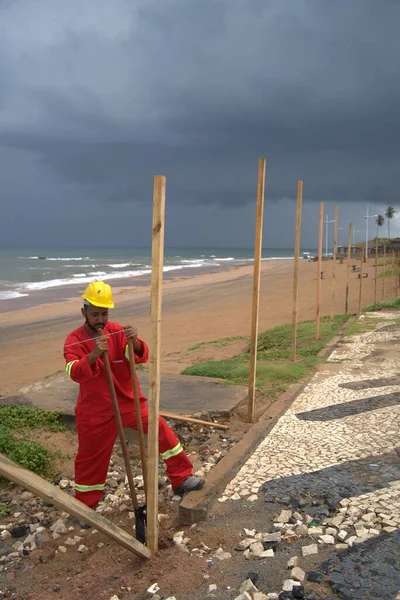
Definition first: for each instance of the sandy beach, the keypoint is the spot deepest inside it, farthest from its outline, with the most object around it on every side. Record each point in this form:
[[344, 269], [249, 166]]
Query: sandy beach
[[195, 309]]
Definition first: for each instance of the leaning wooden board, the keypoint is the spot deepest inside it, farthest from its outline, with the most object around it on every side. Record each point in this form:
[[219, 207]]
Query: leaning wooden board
[[50, 493]]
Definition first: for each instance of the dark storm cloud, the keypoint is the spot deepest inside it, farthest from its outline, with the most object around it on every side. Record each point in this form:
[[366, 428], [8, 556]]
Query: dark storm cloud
[[101, 96]]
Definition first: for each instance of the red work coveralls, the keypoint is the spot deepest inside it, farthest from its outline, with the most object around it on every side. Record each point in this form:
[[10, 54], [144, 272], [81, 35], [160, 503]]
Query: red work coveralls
[[95, 421]]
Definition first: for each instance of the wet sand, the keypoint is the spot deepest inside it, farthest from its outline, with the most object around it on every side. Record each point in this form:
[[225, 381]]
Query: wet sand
[[195, 309]]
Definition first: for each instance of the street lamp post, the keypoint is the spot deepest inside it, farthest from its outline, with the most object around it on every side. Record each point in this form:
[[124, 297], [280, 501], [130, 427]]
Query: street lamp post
[[367, 216], [326, 234]]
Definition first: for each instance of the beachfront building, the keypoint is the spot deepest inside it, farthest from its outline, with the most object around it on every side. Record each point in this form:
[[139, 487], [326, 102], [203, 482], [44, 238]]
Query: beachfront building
[[358, 247]]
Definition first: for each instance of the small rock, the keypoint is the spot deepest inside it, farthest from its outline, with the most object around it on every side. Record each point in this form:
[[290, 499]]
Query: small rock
[[257, 548], [59, 527], [288, 585], [69, 542], [315, 577], [244, 544], [309, 550], [244, 596], [273, 596], [252, 498], [260, 596], [250, 532], [83, 549], [293, 562], [62, 549], [298, 516], [341, 547], [63, 484], [26, 496], [253, 577], [114, 597], [330, 531], [298, 574], [153, 589], [284, 516], [247, 586], [267, 553], [19, 531], [42, 537], [315, 531], [212, 588], [222, 555], [271, 537], [342, 535], [301, 530], [178, 538], [337, 521], [327, 539]]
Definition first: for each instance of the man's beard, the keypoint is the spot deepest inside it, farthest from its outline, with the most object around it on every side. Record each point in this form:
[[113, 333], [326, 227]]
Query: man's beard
[[96, 328]]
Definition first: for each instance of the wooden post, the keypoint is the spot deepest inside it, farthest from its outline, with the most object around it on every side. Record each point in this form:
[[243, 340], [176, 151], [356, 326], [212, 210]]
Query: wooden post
[[361, 280], [384, 271], [157, 262], [376, 270], [296, 267], [397, 275], [256, 287], [335, 240], [319, 269], [393, 292], [346, 308]]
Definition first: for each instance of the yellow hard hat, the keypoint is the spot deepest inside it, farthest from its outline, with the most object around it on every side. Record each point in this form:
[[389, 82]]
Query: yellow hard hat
[[99, 294]]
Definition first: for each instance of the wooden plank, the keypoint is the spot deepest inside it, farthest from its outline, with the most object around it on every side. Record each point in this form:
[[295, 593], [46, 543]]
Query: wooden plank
[[319, 270], [256, 288], [186, 419], [296, 267], [157, 263], [346, 308], [50, 493], [335, 241]]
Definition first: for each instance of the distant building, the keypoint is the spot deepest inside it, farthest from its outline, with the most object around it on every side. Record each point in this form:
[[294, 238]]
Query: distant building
[[358, 247]]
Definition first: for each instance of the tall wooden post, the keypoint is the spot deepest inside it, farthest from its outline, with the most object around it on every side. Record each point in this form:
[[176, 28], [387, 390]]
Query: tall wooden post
[[296, 267], [384, 271], [393, 292], [335, 240], [346, 307], [319, 269], [256, 287], [157, 262], [376, 270], [361, 280]]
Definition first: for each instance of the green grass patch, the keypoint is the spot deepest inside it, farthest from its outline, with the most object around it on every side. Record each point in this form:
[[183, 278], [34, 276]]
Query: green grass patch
[[275, 371], [382, 263], [219, 343], [392, 304], [388, 273], [4, 509], [18, 425]]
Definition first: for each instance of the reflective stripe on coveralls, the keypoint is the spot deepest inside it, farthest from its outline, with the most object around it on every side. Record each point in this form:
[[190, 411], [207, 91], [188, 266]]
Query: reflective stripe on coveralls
[[68, 367]]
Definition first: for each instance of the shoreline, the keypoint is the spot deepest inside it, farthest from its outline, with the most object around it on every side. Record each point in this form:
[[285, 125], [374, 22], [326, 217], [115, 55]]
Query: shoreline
[[195, 309]]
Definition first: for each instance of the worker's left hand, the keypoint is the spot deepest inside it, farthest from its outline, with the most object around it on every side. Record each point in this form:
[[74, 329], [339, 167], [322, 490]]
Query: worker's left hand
[[131, 333]]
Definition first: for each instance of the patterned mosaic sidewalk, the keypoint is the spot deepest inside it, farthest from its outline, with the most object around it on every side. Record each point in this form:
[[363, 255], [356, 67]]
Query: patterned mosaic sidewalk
[[331, 421], [334, 459]]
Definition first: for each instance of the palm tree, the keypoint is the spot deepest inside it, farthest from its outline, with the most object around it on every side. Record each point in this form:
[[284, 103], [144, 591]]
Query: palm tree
[[380, 220], [390, 214]]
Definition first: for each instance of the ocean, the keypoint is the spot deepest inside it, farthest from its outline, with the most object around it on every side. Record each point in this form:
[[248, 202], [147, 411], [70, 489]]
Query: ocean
[[28, 271]]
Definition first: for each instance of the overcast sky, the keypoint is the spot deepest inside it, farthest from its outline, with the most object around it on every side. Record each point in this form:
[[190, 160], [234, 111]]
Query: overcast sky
[[97, 96]]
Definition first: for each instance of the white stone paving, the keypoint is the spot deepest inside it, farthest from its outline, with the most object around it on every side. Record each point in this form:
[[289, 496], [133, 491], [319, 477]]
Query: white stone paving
[[295, 446]]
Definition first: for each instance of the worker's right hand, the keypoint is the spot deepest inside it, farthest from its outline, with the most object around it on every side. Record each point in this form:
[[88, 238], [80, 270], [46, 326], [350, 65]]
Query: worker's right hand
[[101, 346]]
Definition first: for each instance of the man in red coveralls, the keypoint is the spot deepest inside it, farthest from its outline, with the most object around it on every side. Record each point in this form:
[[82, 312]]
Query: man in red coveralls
[[95, 421]]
